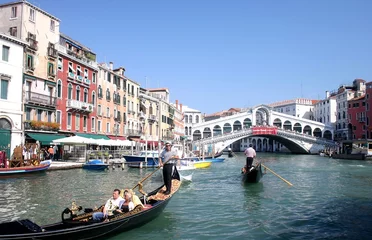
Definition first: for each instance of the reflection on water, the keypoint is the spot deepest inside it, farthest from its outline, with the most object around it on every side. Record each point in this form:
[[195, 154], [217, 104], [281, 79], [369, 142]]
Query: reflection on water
[[330, 199]]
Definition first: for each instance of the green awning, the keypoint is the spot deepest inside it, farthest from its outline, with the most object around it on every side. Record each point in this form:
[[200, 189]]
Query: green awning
[[45, 139], [93, 136]]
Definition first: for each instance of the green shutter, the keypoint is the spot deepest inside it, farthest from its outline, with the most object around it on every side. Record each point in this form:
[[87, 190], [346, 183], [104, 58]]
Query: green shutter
[[4, 89]]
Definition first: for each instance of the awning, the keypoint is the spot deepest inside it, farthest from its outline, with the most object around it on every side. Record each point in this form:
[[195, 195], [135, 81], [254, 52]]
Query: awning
[[116, 137], [45, 139], [94, 136]]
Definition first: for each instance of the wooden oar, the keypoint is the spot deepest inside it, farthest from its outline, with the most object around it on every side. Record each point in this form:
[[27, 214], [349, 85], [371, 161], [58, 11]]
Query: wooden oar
[[149, 175], [290, 184]]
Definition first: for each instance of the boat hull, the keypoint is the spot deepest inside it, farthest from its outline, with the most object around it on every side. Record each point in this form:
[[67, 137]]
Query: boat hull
[[349, 156], [253, 176], [44, 165], [213, 160], [202, 164]]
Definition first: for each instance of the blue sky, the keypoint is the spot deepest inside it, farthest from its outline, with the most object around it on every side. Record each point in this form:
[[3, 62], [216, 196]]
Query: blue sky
[[213, 55]]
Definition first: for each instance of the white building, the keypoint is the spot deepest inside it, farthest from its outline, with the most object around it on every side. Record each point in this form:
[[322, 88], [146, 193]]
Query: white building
[[299, 107], [191, 117], [11, 80], [325, 111]]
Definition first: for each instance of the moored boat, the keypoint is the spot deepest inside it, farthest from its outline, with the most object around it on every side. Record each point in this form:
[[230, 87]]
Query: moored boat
[[95, 164], [32, 168], [253, 175], [213, 160], [202, 164], [82, 226]]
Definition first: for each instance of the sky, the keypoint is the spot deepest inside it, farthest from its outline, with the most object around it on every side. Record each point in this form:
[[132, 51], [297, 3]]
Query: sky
[[213, 55]]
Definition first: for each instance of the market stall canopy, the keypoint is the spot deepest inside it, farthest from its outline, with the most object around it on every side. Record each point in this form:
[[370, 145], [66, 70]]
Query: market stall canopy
[[103, 142], [45, 139], [75, 140], [93, 136]]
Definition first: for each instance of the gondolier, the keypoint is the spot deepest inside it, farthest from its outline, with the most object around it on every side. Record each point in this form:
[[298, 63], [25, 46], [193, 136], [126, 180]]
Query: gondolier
[[250, 153], [169, 166]]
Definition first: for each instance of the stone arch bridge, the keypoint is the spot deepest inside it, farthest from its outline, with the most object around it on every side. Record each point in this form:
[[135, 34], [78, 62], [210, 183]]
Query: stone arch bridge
[[297, 134]]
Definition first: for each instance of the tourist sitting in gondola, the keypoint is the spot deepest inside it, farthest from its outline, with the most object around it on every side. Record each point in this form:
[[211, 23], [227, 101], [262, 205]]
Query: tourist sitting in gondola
[[128, 204], [111, 205]]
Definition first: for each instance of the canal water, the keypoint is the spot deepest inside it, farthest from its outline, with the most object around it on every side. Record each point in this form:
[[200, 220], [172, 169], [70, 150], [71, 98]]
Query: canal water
[[330, 199]]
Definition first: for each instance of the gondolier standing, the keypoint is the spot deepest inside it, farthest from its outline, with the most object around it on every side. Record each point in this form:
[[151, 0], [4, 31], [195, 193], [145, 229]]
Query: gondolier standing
[[168, 167], [250, 153]]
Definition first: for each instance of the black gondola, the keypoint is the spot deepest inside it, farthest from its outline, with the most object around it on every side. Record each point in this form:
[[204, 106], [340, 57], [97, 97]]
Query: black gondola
[[252, 175], [231, 154], [83, 227]]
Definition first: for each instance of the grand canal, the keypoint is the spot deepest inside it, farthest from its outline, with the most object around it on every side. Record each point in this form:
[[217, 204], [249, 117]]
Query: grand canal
[[330, 199]]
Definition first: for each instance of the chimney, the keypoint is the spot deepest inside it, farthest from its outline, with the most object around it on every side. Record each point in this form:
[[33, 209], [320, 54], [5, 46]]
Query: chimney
[[181, 107], [327, 94], [111, 65], [177, 104]]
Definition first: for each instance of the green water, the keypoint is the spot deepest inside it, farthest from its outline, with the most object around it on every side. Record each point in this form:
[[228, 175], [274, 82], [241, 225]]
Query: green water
[[330, 199]]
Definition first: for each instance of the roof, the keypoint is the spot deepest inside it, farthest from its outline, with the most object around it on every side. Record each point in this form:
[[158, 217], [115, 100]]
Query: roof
[[187, 109], [357, 98], [13, 39], [31, 5], [157, 89], [75, 42]]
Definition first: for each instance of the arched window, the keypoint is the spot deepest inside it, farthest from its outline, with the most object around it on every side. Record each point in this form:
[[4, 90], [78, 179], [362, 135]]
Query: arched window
[[94, 98], [59, 88], [69, 91], [186, 119], [107, 94], [190, 131], [197, 119], [186, 131], [99, 91], [190, 118], [85, 95], [78, 93]]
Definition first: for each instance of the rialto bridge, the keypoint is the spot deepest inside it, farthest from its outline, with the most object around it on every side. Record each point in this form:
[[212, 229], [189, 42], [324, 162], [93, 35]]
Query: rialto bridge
[[297, 134]]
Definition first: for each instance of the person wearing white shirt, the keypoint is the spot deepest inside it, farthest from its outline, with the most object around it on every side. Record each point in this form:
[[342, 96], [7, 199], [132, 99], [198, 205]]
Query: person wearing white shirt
[[111, 205]]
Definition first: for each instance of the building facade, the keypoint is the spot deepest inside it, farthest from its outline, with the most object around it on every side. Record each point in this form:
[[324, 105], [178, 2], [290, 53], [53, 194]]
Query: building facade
[[76, 89], [357, 118], [191, 117], [325, 111], [300, 107], [11, 81]]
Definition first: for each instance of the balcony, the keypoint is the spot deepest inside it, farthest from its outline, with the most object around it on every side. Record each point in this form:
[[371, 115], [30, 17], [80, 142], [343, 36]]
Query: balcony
[[133, 132], [79, 106], [33, 44], [168, 137], [152, 118], [40, 99], [80, 58], [40, 125], [71, 75], [52, 52]]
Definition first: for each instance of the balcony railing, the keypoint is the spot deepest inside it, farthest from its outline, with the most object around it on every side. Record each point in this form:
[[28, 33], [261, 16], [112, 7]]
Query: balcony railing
[[77, 57], [40, 125], [133, 132], [42, 99], [33, 44], [52, 52], [78, 105], [152, 117]]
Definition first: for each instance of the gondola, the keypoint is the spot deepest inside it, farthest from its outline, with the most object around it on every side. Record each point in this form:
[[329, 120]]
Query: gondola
[[253, 175], [81, 226]]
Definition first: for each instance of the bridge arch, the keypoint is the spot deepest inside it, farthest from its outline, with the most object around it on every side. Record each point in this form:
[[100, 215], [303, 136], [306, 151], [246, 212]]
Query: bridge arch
[[307, 130], [317, 132], [262, 114], [277, 122], [297, 127], [237, 125], [197, 135], [247, 123], [227, 128], [287, 125], [207, 132], [327, 135], [217, 131]]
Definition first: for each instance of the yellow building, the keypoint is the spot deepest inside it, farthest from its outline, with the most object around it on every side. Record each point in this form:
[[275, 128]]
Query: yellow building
[[111, 101], [133, 126]]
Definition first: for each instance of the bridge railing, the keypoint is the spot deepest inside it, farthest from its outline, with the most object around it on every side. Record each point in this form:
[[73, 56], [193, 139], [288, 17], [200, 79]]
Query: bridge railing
[[280, 132]]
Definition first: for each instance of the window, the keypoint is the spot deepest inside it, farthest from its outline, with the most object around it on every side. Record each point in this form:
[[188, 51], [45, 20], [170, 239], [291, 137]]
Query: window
[[108, 77], [60, 64], [94, 98], [94, 77], [93, 124], [78, 93], [52, 25], [39, 112], [107, 112], [99, 110], [32, 15], [99, 126], [14, 12], [51, 69], [69, 117], [28, 113], [30, 62], [78, 70], [99, 91], [50, 116], [59, 88], [58, 116], [70, 68], [4, 89], [5, 53], [85, 123], [77, 122], [69, 91], [85, 95], [107, 127], [13, 31], [86, 73]]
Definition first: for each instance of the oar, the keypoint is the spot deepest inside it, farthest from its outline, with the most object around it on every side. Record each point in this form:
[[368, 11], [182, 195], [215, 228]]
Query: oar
[[290, 184], [149, 175]]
